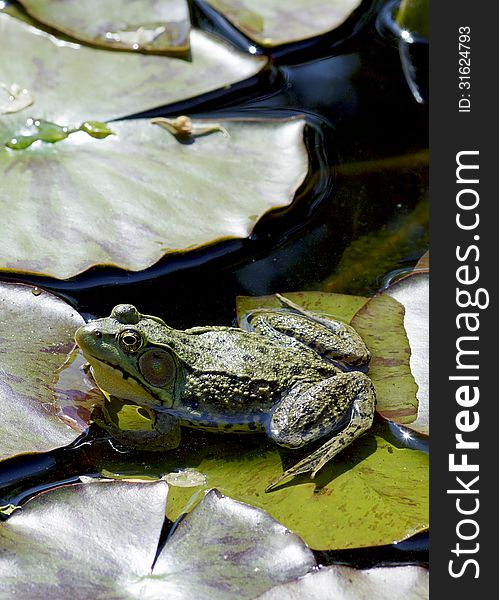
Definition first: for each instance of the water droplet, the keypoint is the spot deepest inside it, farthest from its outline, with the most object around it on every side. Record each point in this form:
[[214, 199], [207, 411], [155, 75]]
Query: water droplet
[[36, 291]]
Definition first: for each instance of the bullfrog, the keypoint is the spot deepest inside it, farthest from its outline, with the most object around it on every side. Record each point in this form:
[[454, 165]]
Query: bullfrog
[[296, 376]]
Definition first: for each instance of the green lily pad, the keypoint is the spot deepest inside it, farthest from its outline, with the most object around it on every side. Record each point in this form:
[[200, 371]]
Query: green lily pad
[[223, 549], [344, 583], [69, 82], [413, 293], [373, 493], [271, 23], [36, 340], [132, 197], [380, 322], [144, 25]]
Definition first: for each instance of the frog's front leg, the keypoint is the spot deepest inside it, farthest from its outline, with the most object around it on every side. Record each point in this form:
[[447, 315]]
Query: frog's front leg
[[154, 432], [344, 403]]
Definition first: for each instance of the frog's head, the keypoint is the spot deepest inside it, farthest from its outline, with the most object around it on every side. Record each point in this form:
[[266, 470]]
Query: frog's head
[[129, 356]]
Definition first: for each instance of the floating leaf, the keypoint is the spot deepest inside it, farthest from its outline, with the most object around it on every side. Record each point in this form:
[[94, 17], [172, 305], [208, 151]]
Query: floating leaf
[[272, 22], [413, 293], [145, 25], [71, 542], [226, 549], [344, 583], [70, 82], [130, 198], [373, 493], [221, 550], [36, 339], [380, 322]]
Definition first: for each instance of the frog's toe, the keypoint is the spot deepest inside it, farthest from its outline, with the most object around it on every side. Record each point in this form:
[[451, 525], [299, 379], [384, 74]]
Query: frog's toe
[[307, 465]]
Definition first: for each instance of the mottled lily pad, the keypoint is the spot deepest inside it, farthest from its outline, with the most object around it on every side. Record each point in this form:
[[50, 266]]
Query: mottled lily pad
[[381, 324], [373, 493], [129, 199], [36, 340], [69, 82], [413, 293], [344, 583], [145, 25], [272, 22], [222, 549]]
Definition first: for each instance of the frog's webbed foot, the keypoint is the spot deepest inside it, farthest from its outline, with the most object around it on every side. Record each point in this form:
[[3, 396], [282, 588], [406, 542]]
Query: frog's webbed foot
[[138, 428], [357, 387]]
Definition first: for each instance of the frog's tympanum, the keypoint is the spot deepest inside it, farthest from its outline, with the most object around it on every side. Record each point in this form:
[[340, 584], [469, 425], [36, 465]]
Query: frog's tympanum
[[281, 377]]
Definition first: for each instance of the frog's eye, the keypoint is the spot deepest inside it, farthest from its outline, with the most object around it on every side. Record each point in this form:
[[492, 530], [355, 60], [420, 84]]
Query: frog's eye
[[130, 340], [157, 367]]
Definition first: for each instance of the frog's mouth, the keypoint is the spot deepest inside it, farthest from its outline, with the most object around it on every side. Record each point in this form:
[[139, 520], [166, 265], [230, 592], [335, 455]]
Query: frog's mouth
[[114, 380]]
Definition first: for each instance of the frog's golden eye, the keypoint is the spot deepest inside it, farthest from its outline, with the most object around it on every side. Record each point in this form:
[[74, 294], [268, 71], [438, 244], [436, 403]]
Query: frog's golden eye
[[130, 340], [157, 367]]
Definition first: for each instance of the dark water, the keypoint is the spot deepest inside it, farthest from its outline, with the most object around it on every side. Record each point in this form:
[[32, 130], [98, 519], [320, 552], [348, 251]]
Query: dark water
[[368, 141]]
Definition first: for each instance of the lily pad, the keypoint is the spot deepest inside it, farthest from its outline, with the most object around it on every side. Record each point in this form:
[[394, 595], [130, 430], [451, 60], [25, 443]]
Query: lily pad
[[373, 493], [226, 549], [70, 82], [36, 340], [222, 549], [144, 25], [271, 23], [132, 197], [380, 322], [413, 293], [344, 583]]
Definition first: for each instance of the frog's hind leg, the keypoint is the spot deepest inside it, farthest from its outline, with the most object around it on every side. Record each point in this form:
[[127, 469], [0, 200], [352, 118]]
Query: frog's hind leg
[[319, 411], [329, 338]]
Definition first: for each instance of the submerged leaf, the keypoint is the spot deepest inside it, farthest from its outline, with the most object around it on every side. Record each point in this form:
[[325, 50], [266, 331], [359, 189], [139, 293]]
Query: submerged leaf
[[144, 25], [36, 339], [273, 22], [70, 82], [132, 197]]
